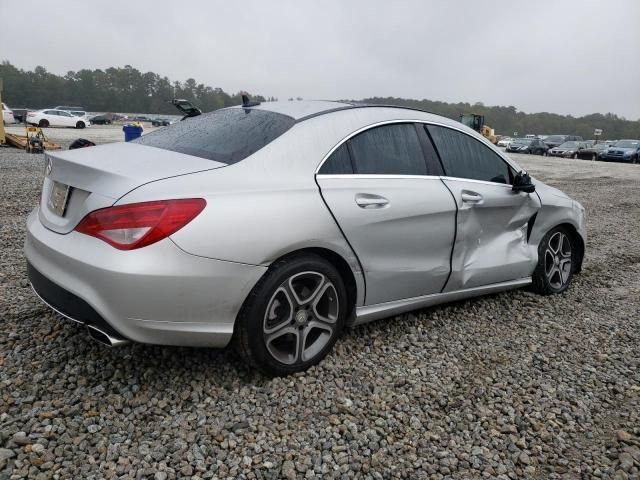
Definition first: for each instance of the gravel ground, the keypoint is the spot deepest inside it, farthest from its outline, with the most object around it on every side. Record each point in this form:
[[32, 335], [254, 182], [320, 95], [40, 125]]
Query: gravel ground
[[509, 386]]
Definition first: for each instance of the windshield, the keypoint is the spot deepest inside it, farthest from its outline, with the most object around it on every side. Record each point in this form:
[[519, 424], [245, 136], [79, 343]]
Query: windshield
[[522, 141], [628, 144], [555, 138], [569, 145], [228, 135]]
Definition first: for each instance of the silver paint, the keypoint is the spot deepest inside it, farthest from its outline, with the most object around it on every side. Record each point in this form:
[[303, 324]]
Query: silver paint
[[188, 289]]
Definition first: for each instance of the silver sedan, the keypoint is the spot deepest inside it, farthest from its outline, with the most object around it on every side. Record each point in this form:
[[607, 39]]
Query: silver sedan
[[278, 224]]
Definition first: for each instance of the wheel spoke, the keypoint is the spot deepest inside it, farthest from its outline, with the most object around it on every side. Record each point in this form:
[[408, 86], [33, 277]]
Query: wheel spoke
[[284, 355], [274, 309], [565, 270], [549, 263], [555, 240], [302, 281], [327, 301], [322, 333]]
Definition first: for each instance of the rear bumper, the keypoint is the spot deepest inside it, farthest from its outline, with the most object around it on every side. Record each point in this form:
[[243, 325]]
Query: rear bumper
[[158, 294]]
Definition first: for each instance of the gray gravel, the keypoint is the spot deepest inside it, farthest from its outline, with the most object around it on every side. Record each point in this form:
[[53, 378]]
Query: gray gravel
[[509, 386]]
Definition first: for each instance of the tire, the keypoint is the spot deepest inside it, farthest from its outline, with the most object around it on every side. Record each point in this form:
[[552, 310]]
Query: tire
[[80, 125], [43, 123], [557, 260], [594, 157], [574, 156], [300, 302]]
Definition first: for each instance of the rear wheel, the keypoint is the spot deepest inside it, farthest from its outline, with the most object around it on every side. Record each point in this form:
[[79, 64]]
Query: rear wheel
[[574, 156], [293, 316], [80, 125], [557, 257], [43, 123]]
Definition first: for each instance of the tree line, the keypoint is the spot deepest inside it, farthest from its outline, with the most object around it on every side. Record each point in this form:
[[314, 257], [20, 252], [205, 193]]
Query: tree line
[[114, 89], [127, 89], [507, 120]]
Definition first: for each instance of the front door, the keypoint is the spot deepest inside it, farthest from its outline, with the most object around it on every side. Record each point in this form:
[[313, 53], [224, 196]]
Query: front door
[[491, 240]]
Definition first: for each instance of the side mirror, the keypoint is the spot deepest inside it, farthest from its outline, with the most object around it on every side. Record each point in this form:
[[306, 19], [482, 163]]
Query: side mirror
[[522, 183]]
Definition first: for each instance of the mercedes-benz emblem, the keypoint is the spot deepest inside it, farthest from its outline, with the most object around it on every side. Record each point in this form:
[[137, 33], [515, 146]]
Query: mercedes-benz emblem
[[48, 168]]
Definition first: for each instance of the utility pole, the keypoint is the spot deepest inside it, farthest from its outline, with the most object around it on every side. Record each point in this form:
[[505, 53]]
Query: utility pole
[[2, 137]]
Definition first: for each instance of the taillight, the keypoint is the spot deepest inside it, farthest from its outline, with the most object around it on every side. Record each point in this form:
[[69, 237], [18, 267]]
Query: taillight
[[137, 225]]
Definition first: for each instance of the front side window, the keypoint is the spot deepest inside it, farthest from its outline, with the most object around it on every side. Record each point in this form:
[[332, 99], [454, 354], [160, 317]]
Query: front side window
[[228, 135], [465, 157], [388, 150]]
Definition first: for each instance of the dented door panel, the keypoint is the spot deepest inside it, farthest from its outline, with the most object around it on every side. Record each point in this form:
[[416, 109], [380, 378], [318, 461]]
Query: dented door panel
[[491, 239]]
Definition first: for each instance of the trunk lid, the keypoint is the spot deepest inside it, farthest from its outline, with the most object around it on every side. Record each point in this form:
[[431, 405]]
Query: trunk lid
[[98, 176]]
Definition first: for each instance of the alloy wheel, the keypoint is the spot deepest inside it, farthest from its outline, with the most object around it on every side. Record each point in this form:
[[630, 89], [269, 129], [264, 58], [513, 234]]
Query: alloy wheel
[[300, 319], [557, 260]]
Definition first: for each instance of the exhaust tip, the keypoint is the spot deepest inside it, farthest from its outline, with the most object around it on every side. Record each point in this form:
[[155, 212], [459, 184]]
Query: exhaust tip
[[104, 338]]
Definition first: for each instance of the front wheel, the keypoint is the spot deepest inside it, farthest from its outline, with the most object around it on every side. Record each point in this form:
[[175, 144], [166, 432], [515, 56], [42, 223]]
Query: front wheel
[[43, 123], [293, 316], [556, 262]]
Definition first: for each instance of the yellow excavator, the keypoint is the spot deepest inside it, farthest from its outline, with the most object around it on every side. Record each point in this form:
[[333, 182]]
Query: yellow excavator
[[476, 122]]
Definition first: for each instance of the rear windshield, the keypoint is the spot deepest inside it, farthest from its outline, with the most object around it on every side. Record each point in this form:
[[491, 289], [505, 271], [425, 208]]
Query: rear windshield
[[228, 135]]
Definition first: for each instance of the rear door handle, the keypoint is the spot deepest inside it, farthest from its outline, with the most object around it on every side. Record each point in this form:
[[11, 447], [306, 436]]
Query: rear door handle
[[368, 200], [471, 197]]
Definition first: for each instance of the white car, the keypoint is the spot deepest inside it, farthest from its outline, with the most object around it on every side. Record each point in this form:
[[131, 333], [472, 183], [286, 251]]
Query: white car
[[56, 118], [7, 114], [505, 142]]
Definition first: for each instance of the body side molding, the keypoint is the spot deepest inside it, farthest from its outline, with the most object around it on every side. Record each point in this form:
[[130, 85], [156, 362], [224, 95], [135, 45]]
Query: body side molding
[[381, 310]]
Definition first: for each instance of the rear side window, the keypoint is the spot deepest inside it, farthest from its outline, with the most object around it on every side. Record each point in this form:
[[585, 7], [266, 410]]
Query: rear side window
[[389, 149], [465, 157], [228, 135], [339, 163]]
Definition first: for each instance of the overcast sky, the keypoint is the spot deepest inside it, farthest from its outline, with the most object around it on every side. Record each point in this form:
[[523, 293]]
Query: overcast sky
[[564, 56]]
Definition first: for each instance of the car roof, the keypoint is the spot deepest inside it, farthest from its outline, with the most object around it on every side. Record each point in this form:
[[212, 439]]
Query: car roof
[[301, 110]]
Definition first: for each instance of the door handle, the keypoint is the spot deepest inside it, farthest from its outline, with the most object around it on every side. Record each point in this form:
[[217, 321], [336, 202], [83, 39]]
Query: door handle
[[471, 197], [368, 200]]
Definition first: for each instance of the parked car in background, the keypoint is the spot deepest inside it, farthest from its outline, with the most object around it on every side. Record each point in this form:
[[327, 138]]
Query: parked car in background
[[199, 232], [567, 149], [553, 141], [75, 111], [101, 120], [160, 122], [532, 146], [20, 114], [592, 152], [105, 119], [7, 114], [623, 151], [504, 141], [55, 118]]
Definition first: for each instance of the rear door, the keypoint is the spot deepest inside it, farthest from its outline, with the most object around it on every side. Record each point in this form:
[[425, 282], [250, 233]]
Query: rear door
[[491, 243], [399, 220]]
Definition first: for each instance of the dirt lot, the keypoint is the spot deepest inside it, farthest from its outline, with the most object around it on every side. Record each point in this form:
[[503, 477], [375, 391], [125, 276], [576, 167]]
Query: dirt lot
[[509, 386]]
